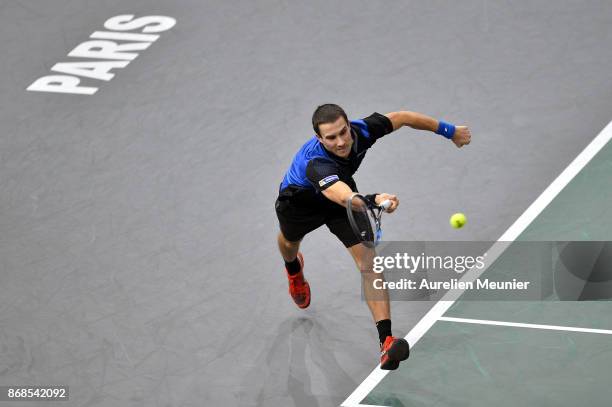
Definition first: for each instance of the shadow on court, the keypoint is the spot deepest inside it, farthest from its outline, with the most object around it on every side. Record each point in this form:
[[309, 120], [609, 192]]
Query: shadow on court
[[298, 357]]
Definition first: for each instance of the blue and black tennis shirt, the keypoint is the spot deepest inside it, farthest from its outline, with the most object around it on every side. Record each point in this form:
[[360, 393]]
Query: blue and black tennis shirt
[[315, 169]]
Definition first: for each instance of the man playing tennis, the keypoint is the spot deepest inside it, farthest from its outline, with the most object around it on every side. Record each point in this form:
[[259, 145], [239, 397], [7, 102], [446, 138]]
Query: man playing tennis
[[317, 186]]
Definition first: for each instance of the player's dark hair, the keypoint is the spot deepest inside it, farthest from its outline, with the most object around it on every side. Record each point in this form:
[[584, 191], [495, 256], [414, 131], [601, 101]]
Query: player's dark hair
[[327, 113]]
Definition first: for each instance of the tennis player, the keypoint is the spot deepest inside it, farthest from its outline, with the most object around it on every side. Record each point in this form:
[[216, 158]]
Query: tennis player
[[317, 185]]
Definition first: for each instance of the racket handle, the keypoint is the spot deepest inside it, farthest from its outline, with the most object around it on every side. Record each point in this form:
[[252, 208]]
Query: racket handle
[[386, 204]]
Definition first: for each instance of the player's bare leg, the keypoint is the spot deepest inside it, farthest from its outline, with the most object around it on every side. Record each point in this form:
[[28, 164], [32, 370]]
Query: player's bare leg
[[393, 350], [288, 249], [378, 300]]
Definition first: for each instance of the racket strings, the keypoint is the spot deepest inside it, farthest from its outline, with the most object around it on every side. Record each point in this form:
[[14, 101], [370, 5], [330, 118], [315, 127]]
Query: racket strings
[[364, 219]]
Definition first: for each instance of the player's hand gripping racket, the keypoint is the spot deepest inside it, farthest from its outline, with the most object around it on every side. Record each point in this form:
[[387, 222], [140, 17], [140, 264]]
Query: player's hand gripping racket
[[364, 216]]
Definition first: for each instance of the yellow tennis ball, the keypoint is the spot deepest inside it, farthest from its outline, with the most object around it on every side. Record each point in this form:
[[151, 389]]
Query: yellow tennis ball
[[458, 220]]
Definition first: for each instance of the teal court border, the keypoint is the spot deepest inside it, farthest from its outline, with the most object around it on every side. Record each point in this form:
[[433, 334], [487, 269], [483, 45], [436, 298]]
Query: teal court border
[[437, 313]]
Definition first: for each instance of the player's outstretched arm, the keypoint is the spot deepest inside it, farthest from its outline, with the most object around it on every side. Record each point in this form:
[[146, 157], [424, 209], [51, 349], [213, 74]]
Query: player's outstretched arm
[[415, 120], [340, 193], [460, 135]]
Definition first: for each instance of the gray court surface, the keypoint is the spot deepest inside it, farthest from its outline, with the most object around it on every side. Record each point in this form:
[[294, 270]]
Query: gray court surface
[[138, 262]]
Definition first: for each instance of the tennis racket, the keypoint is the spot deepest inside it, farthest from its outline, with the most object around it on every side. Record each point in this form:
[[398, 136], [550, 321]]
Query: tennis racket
[[364, 216]]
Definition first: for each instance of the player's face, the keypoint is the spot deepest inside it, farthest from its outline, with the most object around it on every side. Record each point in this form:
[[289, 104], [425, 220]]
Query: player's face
[[336, 137]]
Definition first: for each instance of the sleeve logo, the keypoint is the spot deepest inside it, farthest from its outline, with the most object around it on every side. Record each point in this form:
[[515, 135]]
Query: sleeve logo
[[327, 180]]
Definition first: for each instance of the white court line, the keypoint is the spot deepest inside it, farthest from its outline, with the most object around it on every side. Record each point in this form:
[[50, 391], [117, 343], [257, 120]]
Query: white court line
[[504, 241], [520, 325]]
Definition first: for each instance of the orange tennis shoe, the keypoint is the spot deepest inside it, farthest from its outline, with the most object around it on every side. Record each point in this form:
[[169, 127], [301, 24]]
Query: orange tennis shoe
[[299, 289], [392, 352]]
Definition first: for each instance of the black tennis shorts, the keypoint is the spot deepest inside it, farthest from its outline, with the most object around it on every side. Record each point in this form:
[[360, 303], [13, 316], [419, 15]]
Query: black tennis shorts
[[300, 212]]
